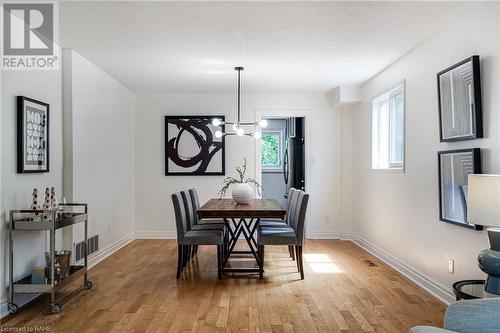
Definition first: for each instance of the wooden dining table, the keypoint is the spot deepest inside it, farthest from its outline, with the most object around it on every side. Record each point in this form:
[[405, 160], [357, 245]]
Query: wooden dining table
[[241, 220]]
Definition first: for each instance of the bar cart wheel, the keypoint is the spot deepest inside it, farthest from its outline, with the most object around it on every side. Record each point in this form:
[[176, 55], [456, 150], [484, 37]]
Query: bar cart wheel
[[13, 308], [55, 308], [88, 284]]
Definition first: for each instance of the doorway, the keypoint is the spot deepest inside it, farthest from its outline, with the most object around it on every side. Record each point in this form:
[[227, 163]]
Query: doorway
[[282, 152]]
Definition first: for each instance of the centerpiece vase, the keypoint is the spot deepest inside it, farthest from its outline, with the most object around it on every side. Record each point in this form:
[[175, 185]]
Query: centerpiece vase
[[242, 193]]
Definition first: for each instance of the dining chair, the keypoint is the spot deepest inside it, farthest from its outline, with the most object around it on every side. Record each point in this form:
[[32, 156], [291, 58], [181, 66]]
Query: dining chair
[[193, 222], [282, 223], [291, 235], [187, 238], [211, 222], [196, 204]]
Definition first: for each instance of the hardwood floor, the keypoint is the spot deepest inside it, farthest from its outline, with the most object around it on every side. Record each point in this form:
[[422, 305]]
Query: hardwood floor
[[345, 289]]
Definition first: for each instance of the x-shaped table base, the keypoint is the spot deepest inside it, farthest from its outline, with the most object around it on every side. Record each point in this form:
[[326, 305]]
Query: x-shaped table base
[[247, 228]]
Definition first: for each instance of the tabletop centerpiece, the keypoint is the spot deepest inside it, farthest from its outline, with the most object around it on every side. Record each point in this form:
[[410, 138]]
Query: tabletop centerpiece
[[241, 190]]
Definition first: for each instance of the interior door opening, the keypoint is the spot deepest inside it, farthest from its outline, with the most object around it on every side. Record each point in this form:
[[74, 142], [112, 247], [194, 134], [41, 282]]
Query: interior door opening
[[283, 157]]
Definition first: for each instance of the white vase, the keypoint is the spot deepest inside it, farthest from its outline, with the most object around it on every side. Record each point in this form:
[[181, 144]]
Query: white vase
[[242, 193]]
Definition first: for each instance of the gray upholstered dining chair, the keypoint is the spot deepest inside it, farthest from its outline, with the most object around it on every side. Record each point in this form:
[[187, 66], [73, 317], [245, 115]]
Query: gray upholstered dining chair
[[287, 235], [194, 223], [210, 222], [187, 238], [282, 223], [196, 204]]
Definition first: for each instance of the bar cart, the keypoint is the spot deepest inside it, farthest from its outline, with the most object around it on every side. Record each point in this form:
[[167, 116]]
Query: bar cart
[[20, 220]]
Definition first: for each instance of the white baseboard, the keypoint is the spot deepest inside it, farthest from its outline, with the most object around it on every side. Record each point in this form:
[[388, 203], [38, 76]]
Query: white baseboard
[[347, 236], [93, 260], [428, 284], [102, 254], [155, 235], [325, 234]]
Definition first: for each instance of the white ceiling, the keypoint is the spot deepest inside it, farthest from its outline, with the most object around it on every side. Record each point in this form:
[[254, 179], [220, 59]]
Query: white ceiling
[[285, 46]]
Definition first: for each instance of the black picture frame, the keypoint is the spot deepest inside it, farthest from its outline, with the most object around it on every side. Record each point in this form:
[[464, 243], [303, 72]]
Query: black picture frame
[[169, 154], [32, 113], [461, 189], [470, 67]]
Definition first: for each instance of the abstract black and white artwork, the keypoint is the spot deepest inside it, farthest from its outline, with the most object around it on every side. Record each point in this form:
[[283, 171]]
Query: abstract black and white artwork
[[459, 94], [454, 169], [32, 135], [191, 147]]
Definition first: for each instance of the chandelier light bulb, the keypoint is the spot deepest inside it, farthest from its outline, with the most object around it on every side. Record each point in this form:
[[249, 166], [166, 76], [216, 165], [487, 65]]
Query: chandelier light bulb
[[218, 134], [216, 122], [240, 131], [257, 135], [235, 127], [263, 123]]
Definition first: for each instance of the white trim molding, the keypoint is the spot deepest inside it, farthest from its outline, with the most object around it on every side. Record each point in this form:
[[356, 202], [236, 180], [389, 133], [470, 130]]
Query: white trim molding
[[155, 235], [324, 234], [102, 254], [436, 289]]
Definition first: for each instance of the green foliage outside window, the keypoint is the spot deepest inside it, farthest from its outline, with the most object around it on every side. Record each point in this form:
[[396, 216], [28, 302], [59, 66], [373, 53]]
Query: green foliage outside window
[[270, 150]]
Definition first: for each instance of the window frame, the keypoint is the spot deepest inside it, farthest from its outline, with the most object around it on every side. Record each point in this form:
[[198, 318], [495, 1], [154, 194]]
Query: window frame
[[397, 89], [281, 150]]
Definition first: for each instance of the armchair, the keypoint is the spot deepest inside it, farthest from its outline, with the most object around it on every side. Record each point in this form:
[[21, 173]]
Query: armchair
[[471, 316]]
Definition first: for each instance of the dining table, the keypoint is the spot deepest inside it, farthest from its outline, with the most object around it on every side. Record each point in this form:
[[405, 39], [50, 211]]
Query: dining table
[[241, 220]]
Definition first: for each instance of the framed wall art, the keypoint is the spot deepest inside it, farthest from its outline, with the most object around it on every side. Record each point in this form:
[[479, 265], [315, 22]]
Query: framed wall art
[[191, 147], [459, 97], [454, 168], [32, 135]]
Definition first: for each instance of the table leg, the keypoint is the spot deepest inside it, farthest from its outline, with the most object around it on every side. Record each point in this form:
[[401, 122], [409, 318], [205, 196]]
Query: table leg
[[247, 228]]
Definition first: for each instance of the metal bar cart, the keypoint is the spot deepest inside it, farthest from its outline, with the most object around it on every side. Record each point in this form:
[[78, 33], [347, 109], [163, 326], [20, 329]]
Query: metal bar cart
[[58, 219]]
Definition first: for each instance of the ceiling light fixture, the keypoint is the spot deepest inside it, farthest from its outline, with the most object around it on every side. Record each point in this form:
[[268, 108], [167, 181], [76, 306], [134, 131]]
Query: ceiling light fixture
[[237, 127]]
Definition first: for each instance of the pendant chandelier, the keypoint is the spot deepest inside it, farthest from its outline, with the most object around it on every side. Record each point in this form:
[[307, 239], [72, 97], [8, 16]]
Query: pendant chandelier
[[238, 126]]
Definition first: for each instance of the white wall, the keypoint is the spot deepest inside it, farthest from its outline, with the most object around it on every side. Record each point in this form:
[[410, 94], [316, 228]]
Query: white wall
[[99, 150], [154, 212], [346, 171], [16, 189], [398, 212]]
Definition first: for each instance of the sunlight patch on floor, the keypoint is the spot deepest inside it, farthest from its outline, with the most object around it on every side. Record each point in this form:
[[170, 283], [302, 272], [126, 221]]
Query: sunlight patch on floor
[[321, 263]]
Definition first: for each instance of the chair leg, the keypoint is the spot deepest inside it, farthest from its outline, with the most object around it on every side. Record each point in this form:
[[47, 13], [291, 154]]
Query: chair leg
[[292, 253], [219, 262], [300, 263], [261, 266], [193, 250], [179, 260], [185, 256]]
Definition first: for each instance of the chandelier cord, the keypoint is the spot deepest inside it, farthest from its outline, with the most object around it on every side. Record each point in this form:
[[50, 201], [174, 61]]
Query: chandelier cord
[[239, 83]]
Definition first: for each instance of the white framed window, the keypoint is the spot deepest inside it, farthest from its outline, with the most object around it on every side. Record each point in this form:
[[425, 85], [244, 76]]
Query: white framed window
[[388, 130]]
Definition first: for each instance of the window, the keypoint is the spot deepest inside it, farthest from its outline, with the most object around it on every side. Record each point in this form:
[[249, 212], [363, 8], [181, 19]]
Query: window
[[271, 150], [388, 129]]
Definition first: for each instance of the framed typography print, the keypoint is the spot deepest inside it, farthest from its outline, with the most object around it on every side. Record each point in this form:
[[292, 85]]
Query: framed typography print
[[191, 147], [32, 135]]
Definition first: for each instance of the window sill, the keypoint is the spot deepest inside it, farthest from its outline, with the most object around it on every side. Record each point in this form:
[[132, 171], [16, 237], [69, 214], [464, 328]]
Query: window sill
[[272, 170], [389, 170]]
